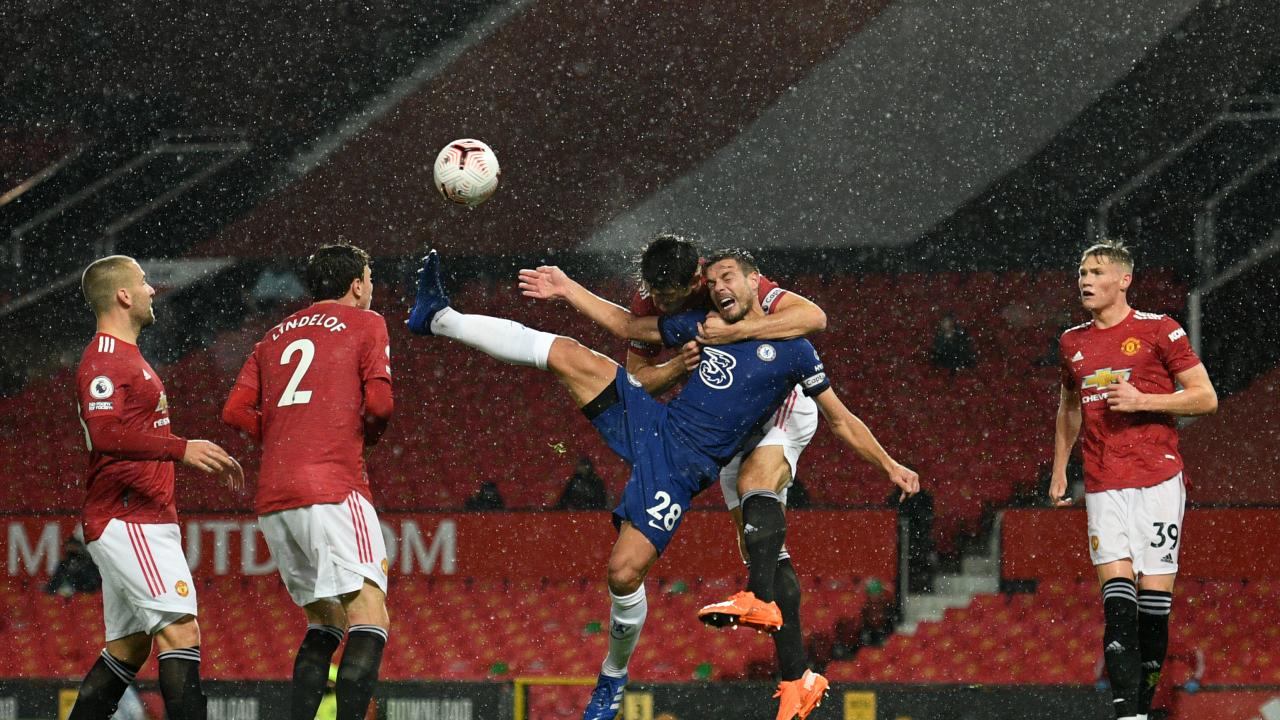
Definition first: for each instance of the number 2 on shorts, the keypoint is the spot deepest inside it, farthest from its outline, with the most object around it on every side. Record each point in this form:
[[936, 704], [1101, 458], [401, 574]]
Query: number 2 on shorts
[[669, 518]]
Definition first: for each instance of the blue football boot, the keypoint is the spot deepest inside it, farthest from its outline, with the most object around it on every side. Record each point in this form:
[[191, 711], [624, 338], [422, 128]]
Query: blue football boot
[[430, 299], [606, 699]]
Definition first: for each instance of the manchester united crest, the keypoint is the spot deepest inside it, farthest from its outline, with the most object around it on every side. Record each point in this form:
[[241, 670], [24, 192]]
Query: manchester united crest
[[181, 588], [1131, 346], [1093, 542]]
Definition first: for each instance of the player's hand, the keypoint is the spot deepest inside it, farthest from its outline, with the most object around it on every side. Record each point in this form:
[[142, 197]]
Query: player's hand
[[546, 283], [1058, 491], [234, 477], [691, 356], [715, 331], [1122, 396], [906, 479], [208, 457]]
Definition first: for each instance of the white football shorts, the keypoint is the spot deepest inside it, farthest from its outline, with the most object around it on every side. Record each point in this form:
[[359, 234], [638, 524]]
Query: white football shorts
[[325, 551], [146, 583], [1143, 524], [792, 426]]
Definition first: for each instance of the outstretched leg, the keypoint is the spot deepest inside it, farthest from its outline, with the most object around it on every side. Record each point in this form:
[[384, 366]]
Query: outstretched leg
[[584, 372]]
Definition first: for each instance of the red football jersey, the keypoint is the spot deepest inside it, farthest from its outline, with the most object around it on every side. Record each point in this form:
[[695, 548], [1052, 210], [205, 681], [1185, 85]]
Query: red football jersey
[[642, 306], [113, 381], [1126, 450], [309, 373]]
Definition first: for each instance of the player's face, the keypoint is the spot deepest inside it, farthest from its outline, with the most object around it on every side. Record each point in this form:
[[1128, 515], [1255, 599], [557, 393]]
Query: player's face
[[141, 294], [732, 292], [366, 299], [1102, 283], [670, 300]]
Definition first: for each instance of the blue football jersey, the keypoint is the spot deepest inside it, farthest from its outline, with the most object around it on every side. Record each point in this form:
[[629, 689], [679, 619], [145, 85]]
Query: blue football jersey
[[736, 385]]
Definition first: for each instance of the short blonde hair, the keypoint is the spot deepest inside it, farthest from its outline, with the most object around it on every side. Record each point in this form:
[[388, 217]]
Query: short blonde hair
[[102, 279], [1112, 250]]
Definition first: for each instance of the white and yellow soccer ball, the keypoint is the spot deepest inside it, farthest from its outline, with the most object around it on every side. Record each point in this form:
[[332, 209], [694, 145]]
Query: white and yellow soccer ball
[[467, 172]]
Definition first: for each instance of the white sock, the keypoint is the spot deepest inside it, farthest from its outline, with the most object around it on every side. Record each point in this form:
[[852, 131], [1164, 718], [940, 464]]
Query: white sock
[[506, 340], [626, 619]]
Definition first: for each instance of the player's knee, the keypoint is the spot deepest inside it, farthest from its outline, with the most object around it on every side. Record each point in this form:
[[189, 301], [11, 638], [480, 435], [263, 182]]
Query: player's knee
[[764, 470], [367, 606], [567, 355], [624, 579], [182, 633], [132, 650]]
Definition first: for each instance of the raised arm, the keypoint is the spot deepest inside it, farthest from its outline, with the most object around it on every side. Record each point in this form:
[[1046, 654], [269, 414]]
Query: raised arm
[[551, 283], [1066, 431], [854, 433], [792, 316]]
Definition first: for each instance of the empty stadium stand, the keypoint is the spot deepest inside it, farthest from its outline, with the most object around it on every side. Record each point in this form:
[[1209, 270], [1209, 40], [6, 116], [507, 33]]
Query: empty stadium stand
[[1054, 636], [454, 628], [475, 629], [1231, 455]]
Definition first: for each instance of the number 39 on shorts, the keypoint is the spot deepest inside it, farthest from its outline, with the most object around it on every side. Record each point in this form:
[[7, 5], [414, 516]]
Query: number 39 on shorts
[[665, 512]]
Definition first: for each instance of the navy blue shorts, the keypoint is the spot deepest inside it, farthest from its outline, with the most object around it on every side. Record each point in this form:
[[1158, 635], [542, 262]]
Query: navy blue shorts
[[665, 473]]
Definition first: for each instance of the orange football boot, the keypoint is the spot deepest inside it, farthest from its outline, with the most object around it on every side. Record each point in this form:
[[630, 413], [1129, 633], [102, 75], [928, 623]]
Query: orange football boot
[[798, 698], [743, 608]]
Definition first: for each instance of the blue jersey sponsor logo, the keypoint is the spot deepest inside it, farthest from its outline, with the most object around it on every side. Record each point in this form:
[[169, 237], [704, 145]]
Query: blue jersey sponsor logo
[[716, 369]]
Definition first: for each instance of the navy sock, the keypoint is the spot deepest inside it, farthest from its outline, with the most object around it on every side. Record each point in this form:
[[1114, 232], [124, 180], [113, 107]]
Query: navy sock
[[311, 670], [180, 684], [788, 641], [102, 688], [358, 673], [1153, 640], [764, 529]]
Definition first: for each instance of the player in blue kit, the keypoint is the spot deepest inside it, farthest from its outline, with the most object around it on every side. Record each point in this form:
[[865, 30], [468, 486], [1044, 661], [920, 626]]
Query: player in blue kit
[[676, 450]]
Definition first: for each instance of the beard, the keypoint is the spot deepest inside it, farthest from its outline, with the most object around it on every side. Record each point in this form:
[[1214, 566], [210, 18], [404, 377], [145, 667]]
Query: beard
[[740, 311]]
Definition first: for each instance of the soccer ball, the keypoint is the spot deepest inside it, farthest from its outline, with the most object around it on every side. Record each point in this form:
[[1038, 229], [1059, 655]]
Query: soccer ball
[[466, 172]]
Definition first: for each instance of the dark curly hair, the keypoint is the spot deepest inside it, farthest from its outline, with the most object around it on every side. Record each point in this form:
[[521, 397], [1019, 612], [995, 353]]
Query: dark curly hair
[[331, 270]]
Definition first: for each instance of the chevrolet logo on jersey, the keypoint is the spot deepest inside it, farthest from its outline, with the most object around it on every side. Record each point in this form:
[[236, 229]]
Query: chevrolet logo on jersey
[[1103, 377]]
